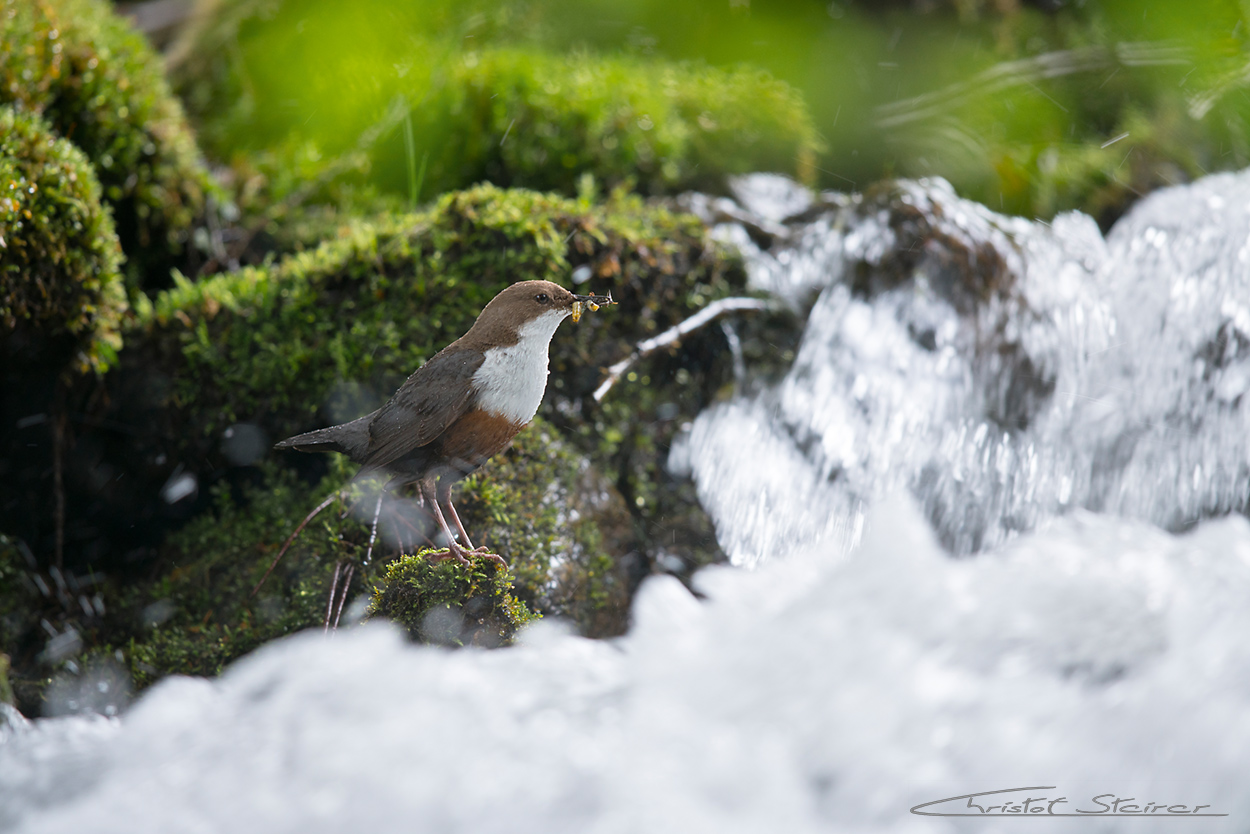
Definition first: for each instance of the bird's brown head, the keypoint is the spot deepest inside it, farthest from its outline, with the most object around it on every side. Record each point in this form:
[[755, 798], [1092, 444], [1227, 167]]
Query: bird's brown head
[[533, 305]]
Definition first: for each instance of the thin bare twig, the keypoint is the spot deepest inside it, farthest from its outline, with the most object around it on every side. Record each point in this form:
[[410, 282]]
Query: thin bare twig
[[334, 586], [373, 531], [334, 496], [705, 316], [347, 583]]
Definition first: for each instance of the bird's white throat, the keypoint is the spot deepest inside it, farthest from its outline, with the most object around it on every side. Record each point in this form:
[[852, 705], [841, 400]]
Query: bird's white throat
[[511, 381]]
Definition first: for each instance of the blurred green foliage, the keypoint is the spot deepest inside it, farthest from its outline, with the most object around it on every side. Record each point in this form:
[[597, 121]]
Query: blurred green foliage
[[59, 256], [515, 117], [1085, 106], [417, 104], [1029, 111], [99, 85]]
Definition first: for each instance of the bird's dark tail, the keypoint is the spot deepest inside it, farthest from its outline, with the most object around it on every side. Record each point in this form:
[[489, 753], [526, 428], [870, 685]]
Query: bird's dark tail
[[352, 439]]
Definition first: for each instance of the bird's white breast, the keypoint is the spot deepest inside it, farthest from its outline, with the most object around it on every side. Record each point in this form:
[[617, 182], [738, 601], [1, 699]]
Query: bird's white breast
[[511, 381]]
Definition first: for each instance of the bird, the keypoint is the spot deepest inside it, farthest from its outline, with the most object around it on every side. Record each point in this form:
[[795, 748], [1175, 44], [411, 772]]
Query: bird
[[462, 407]]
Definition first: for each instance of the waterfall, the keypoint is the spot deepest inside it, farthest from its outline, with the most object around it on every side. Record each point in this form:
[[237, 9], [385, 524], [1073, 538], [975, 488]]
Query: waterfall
[[1002, 371]]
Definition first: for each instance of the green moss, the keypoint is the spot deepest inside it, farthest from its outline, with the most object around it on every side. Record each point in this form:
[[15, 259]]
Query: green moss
[[198, 614], [523, 118], [6, 688], [59, 255], [98, 83], [1103, 179], [281, 345], [445, 602]]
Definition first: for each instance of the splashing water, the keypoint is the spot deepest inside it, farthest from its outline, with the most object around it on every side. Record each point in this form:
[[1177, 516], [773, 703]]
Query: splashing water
[[1052, 406], [1003, 371]]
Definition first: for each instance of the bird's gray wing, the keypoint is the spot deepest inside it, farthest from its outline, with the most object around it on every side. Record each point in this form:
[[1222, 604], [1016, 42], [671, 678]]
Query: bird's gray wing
[[436, 395]]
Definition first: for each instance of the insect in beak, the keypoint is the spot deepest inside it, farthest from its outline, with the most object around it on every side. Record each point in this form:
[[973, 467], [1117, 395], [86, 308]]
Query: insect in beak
[[581, 302]]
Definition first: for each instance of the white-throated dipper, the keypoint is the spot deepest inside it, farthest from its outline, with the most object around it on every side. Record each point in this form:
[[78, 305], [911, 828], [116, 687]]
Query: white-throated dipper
[[463, 406]]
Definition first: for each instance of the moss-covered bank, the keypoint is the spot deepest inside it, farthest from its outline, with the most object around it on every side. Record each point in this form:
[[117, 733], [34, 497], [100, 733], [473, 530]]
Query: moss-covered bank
[[61, 294], [195, 612], [98, 84], [214, 371], [328, 334], [562, 525]]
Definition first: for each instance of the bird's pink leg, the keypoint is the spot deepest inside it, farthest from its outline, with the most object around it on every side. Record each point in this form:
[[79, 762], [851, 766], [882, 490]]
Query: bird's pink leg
[[453, 547], [455, 519], [494, 557], [444, 496]]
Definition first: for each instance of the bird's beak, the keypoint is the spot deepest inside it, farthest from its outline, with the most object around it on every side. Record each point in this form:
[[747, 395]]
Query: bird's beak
[[594, 302]]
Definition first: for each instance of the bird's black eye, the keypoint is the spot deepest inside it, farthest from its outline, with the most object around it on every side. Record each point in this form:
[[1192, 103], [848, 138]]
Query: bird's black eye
[[542, 298]]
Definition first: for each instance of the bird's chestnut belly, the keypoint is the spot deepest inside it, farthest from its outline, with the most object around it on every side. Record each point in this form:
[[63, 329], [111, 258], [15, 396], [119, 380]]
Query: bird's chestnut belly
[[474, 438]]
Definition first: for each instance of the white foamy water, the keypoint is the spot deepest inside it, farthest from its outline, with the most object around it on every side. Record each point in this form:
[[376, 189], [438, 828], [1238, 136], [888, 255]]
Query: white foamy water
[[823, 694], [1107, 375], [858, 670]]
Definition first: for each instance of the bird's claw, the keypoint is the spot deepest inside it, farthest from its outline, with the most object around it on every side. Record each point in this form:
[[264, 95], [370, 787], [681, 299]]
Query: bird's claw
[[455, 552], [484, 551]]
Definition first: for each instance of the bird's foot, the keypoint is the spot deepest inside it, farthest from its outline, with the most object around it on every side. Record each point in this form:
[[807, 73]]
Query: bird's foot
[[492, 557], [454, 551], [484, 551]]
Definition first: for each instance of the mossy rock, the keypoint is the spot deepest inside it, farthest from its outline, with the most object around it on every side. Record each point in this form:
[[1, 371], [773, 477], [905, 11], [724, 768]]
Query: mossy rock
[[62, 302], [327, 335], [196, 612], [562, 526], [522, 118], [199, 614], [60, 288], [441, 601], [98, 83]]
